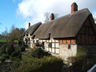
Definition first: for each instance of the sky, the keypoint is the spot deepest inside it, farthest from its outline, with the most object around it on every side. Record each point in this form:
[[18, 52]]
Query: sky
[[18, 13]]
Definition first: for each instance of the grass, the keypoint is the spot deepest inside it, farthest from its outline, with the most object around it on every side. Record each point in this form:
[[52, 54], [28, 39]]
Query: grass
[[2, 41], [16, 41]]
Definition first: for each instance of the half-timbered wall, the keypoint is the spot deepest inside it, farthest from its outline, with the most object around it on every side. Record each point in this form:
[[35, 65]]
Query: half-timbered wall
[[87, 34], [29, 40], [51, 45]]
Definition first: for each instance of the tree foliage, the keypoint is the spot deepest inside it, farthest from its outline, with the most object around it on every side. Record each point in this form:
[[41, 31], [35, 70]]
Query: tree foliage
[[16, 33]]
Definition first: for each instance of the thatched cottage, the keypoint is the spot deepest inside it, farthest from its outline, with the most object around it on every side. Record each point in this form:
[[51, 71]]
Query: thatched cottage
[[28, 35], [65, 35]]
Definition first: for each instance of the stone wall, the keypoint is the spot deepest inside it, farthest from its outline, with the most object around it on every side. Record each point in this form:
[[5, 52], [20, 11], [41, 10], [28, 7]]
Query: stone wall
[[76, 51], [66, 52]]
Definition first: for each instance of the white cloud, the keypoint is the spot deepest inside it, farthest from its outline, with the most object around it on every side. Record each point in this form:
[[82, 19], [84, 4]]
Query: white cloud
[[35, 9], [26, 25]]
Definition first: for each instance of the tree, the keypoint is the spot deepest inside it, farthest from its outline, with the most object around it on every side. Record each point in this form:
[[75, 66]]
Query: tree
[[4, 35], [16, 34]]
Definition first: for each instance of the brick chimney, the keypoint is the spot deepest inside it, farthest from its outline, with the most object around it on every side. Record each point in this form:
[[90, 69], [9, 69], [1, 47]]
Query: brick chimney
[[74, 7], [29, 24], [52, 16]]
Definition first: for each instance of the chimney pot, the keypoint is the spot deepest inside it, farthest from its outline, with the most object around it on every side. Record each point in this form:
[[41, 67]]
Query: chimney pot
[[74, 7], [52, 16]]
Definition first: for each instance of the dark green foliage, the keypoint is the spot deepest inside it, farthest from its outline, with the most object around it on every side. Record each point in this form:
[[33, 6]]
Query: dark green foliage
[[16, 34], [9, 49], [16, 63], [39, 53], [5, 55], [9, 66], [53, 65], [45, 64], [22, 48], [82, 65], [3, 49], [16, 54], [2, 58], [41, 62]]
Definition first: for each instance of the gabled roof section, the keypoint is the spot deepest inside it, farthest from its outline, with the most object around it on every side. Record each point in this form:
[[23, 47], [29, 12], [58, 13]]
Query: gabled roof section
[[33, 28], [64, 27]]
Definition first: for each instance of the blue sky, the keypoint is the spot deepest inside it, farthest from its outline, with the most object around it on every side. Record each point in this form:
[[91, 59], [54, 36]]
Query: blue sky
[[8, 15], [20, 12]]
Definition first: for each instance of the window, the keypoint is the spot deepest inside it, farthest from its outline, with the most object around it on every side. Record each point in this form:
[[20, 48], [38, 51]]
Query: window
[[37, 41], [28, 40], [57, 45], [50, 45], [53, 45], [43, 45], [69, 46], [26, 34], [57, 51]]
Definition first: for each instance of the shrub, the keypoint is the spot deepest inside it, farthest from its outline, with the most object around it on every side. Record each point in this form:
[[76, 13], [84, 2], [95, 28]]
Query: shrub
[[16, 63], [2, 58], [9, 49], [51, 64], [22, 48], [3, 49], [5, 55], [81, 65], [16, 54], [39, 53]]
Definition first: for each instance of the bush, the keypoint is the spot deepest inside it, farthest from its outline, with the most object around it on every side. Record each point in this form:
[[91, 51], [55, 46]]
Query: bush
[[3, 49], [45, 64], [16, 54], [39, 53], [9, 49], [83, 64], [2, 58], [51, 64], [22, 48], [16, 63], [5, 55]]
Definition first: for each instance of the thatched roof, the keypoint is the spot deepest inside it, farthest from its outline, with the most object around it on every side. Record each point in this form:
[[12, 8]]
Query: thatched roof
[[66, 26], [33, 28]]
